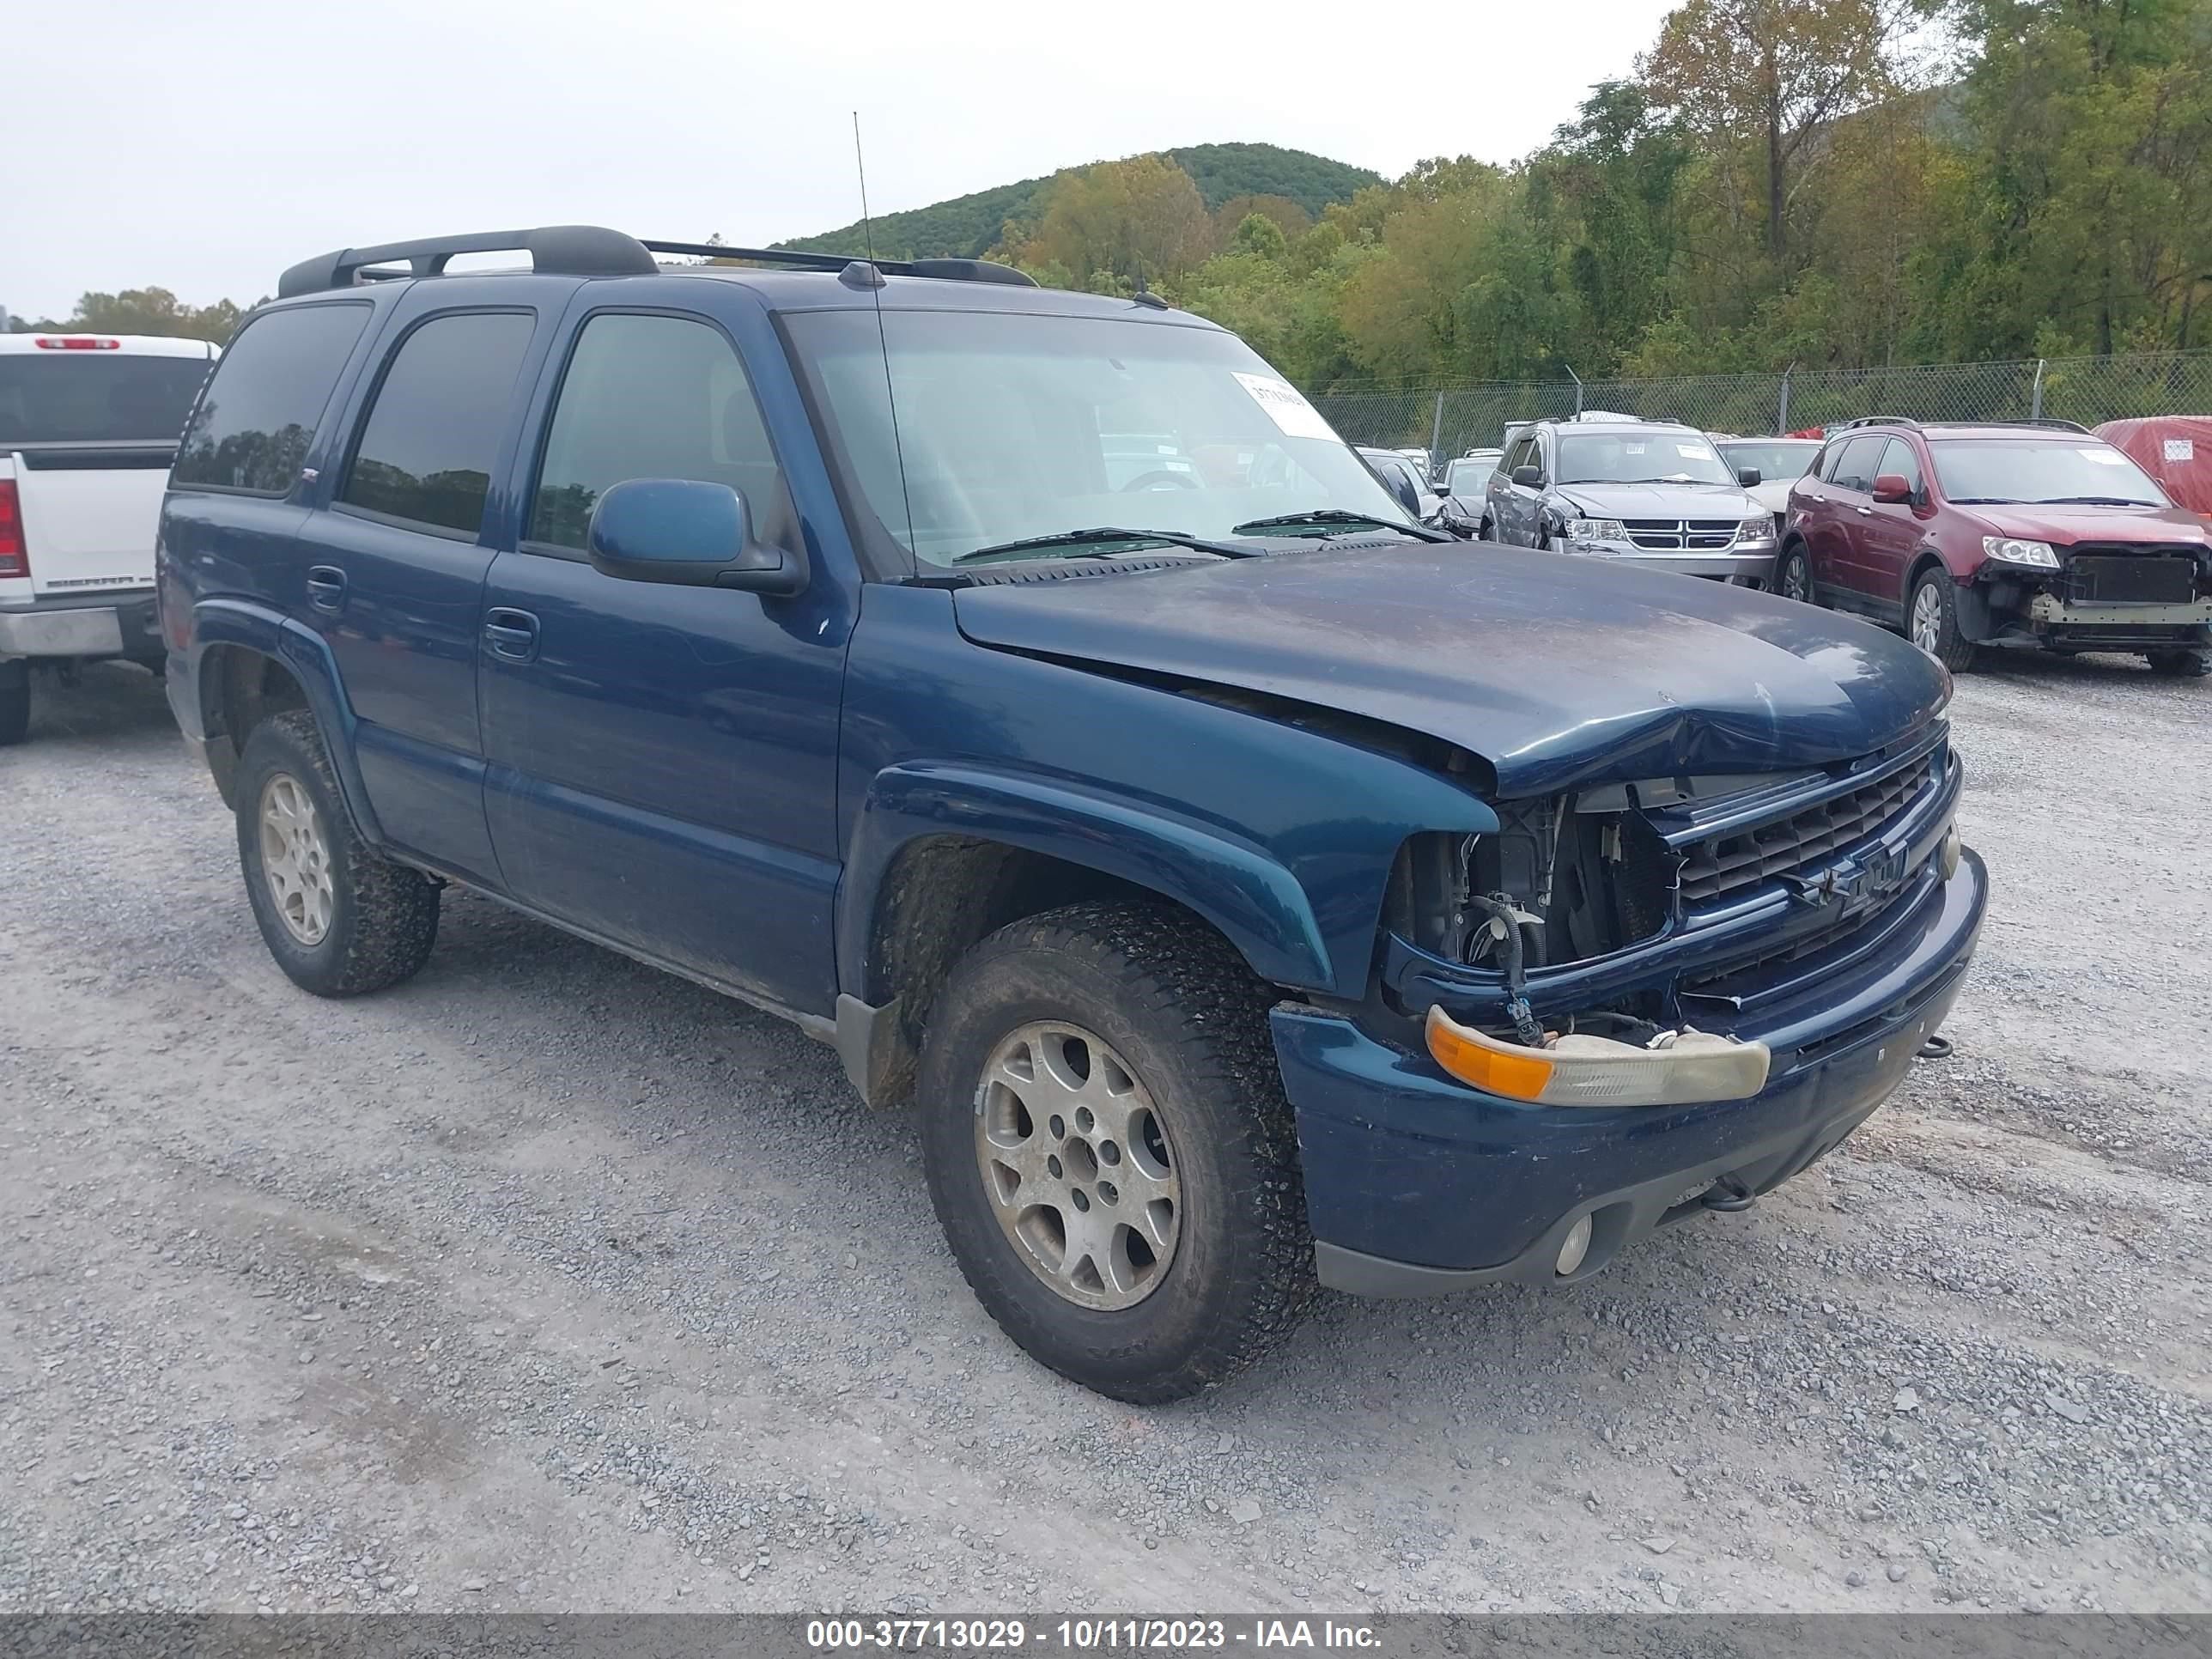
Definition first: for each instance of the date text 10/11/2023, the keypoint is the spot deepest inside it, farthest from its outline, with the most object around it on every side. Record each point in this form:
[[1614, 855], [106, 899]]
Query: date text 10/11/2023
[[1084, 1635]]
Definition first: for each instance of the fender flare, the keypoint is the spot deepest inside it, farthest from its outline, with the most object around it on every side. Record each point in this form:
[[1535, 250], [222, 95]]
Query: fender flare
[[307, 657], [1255, 901]]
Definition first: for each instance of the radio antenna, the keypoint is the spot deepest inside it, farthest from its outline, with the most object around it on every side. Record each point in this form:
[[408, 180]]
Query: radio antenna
[[883, 340]]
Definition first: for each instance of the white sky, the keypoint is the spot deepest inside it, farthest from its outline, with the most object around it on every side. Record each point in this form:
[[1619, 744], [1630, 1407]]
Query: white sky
[[204, 148]]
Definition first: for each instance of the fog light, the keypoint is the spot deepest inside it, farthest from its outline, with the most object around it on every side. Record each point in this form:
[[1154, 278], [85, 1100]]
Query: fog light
[[1946, 860], [1575, 1247]]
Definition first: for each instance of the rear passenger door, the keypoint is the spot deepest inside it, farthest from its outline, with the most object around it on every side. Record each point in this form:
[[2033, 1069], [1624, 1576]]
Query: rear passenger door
[[394, 569], [663, 759], [1831, 531]]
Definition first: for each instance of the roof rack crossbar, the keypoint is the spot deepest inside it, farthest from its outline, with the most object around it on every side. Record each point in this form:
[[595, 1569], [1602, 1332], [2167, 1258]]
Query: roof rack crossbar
[[958, 270], [560, 250]]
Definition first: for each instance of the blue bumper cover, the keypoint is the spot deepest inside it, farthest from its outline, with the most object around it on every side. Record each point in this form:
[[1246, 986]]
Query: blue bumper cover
[[1416, 1182]]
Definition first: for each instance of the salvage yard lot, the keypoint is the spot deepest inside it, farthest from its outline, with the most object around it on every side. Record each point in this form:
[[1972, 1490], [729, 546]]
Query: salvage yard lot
[[547, 1281]]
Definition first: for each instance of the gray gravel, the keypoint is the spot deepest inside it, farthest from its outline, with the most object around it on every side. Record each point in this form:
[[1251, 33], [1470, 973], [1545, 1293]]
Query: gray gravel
[[548, 1282]]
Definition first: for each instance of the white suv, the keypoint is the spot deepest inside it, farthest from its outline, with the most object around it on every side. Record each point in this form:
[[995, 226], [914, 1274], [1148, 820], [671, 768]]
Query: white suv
[[88, 426]]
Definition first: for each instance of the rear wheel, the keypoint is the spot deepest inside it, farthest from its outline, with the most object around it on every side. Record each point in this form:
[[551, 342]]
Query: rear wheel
[[2178, 664], [14, 701], [340, 921], [1110, 1151], [1793, 576], [1932, 620]]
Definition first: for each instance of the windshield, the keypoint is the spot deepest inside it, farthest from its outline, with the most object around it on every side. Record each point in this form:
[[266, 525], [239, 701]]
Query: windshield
[[95, 397], [1639, 457], [1012, 425], [1774, 461], [2033, 470]]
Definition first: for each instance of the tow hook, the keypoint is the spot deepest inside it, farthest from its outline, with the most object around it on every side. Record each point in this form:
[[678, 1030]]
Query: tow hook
[[1727, 1195]]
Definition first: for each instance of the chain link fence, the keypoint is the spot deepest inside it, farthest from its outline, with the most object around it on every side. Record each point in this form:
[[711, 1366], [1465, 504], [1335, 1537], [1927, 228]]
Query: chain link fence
[[1451, 420]]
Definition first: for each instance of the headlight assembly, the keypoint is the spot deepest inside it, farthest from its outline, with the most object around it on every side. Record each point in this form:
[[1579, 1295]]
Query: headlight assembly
[[1597, 530], [1760, 529], [2034, 555]]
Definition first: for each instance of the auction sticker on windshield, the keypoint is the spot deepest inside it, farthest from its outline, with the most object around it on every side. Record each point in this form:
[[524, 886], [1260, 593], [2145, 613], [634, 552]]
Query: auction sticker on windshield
[[2180, 449], [1285, 405]]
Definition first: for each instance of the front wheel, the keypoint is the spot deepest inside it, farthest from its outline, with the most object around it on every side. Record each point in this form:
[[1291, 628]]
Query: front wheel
[[1110, 1151], [340, 919], [1793, 577], [2178, 664], [1932, 620]]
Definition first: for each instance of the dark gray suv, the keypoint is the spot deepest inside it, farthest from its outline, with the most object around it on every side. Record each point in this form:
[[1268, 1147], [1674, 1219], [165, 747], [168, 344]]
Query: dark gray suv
[[1649, 493]]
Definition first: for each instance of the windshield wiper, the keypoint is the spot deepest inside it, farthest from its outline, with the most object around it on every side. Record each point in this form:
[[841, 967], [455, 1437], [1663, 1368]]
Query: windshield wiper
[[2090, 500], [1107, 533], [1337, 516]]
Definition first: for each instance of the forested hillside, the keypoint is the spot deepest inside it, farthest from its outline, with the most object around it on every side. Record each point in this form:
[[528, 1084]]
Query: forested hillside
[[968, 226]]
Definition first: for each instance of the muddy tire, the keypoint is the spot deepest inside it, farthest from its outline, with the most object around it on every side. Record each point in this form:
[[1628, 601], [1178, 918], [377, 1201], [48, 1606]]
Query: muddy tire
[[15, 702], [2172, 665], [1931, 620], [1110, 1151], [340, 921]]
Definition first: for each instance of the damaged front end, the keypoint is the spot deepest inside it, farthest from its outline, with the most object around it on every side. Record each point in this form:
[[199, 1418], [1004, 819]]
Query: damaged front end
[[2089, 597], [1621, 946]]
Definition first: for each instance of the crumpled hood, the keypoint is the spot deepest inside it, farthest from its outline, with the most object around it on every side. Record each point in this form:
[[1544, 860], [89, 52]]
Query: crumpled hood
[[1660, 501], [1558, 670], [2064, 525]]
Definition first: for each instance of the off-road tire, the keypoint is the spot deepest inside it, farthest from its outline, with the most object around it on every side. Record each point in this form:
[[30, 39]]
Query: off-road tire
[[2187, 664], [1953, 649], [1185, 1011], [15, 703], [383, 916], [1794, 554]]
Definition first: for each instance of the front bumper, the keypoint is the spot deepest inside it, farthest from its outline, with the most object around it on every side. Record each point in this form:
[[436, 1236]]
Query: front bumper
[[109, 625], [1416, 1183], [1732, 564]]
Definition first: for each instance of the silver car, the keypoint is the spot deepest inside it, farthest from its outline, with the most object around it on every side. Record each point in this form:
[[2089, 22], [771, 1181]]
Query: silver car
[[1644, 492]]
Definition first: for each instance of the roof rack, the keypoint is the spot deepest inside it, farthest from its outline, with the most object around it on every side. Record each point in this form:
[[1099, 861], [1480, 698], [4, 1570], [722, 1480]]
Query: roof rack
[[591, 251], [2052, 422], [1874, 420], [955, 270]]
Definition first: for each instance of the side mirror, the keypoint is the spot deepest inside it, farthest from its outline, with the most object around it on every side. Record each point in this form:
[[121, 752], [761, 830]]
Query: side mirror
[[1746, 476], [1891, 487], [1529, 477], [687, 534]]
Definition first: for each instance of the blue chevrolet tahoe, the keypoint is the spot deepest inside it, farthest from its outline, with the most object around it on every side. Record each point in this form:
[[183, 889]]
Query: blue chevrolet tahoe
[[1248, 887]]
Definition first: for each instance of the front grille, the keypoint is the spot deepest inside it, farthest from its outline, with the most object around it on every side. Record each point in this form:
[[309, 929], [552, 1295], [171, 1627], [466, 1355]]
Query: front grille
[[1673, 535], [1799, 842], [2133, 576]]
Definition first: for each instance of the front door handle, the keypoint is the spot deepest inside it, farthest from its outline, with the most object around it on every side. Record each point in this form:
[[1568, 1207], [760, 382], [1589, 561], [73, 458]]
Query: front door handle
[[1867, 511], [326, 588], [512, 634]]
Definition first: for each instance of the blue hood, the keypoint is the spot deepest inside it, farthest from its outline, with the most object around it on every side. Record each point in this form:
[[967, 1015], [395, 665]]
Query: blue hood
[[1559, 671]]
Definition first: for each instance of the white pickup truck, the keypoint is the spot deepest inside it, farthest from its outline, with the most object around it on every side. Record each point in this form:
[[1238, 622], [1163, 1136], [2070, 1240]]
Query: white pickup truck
[[88, 426]]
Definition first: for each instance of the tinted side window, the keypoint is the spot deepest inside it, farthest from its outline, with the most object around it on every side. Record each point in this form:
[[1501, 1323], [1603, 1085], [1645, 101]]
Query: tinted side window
[[1899, 458], [1855, 467], [432, 433], [252, 428], [654, 398]]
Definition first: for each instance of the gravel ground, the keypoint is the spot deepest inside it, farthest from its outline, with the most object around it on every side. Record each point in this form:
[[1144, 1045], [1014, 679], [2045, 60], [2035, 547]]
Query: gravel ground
[[549, 1282]]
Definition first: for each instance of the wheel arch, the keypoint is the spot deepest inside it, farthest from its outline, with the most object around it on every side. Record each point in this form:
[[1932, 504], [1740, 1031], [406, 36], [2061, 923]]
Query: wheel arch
[[945, 855], [250, 663]]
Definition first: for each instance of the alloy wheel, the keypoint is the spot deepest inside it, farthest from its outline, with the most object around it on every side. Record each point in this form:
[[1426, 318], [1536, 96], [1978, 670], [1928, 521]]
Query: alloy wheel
[[295, 858], [1927, 618], [1797, 581], [1077, 1162]]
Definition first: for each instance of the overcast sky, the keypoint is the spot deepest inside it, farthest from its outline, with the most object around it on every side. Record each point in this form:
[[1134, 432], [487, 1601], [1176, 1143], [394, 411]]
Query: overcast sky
[[204, 148]]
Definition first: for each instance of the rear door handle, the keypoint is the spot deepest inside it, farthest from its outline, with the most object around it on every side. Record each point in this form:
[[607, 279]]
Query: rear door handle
[[326, 588], [512, 634]]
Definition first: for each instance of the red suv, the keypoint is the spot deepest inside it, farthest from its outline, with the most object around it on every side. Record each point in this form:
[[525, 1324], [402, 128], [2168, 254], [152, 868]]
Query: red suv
[[2036, 534]]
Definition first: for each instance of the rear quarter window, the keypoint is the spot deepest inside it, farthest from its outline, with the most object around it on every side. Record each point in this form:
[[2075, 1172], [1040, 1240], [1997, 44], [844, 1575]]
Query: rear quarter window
[[252, 428]]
